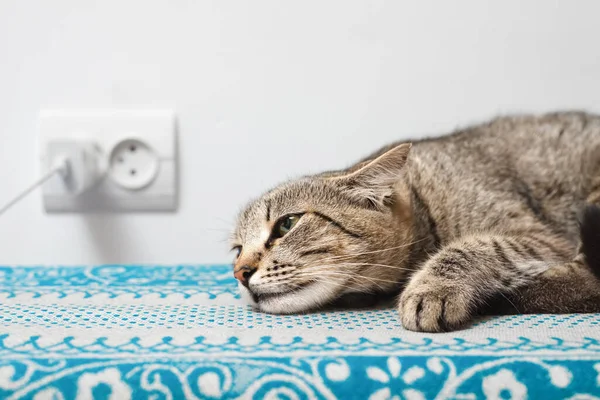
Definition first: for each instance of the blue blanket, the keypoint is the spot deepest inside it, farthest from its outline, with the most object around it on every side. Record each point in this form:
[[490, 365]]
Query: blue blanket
[[124, 332]]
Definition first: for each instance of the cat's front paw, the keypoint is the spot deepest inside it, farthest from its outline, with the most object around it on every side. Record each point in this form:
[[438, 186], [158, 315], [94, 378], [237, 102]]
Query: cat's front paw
[[435, 305]]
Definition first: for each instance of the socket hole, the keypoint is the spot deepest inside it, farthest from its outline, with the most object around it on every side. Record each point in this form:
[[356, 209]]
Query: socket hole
[[132, 148], [133, 172]]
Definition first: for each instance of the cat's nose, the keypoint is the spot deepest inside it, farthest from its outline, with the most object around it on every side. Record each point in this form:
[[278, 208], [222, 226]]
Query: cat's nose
[[244, 273]]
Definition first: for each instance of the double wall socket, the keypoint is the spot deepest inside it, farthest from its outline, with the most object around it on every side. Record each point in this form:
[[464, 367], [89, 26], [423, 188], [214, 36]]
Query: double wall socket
[[137, 156]]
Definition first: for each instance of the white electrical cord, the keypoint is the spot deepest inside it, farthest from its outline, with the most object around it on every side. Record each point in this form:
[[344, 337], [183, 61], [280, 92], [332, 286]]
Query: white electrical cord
[[61, 167], [76, 161]]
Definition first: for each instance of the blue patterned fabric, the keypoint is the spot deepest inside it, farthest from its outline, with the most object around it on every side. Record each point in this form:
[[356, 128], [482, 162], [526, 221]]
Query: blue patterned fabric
[[142, 332]]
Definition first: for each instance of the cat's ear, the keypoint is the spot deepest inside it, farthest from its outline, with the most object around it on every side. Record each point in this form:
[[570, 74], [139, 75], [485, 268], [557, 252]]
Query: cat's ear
[[374, 181]]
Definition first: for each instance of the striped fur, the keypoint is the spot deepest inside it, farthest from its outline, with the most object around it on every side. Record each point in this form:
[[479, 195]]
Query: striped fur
[[483, 220]]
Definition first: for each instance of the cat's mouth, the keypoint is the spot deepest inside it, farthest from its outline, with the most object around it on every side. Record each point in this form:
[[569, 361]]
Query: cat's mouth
[[316, 295], [262, 297], [308, 296]]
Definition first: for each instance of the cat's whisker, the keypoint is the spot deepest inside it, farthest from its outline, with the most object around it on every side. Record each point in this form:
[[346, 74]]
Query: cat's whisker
[[301, 274], [513, 304], [354, 274], [337, 280], [340, 276], [342, 283], [353, 255], [380, 265], [345, 277], [370, 252], [370, 264], [337, 277], [376, 279]]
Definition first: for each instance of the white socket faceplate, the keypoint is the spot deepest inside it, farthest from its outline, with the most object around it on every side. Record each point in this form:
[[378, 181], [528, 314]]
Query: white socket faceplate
[[138, 157]]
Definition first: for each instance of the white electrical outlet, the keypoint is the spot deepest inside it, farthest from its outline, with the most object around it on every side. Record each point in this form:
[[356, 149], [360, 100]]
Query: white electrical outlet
[[138, 159], [133, 164]]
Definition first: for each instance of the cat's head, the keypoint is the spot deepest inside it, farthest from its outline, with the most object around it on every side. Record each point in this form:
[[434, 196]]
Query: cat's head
[[310, 241]]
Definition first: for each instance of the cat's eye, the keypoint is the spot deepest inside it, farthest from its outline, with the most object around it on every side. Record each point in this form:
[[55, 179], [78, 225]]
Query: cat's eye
[[237, 250], [285, 224]]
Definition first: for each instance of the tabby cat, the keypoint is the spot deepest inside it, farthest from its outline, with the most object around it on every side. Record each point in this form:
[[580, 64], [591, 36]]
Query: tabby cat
[[497, 218]]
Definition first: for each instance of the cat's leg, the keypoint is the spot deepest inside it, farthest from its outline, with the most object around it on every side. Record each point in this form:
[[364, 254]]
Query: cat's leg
[[573, 287], [567, 288], [457, 282]]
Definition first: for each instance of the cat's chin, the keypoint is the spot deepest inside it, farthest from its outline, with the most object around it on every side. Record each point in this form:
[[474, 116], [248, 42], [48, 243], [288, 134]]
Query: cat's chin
[[307, 298]]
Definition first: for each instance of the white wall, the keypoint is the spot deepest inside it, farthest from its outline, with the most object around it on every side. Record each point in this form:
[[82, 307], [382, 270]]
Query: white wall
[[267, 90]]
